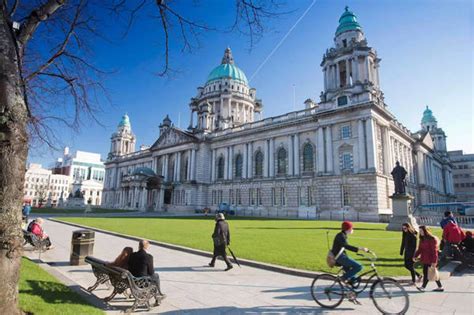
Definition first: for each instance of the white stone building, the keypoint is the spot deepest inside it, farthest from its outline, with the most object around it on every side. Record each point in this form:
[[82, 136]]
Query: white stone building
[[43, 187], [84, 169], [334, 154]]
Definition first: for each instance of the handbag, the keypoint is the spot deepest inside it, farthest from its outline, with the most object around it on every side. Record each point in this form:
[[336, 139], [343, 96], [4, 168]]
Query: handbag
[[331, 259], [433, 274]]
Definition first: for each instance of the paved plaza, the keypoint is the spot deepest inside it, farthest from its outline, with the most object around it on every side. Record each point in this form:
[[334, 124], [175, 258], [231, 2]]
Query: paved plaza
[[193, 288]]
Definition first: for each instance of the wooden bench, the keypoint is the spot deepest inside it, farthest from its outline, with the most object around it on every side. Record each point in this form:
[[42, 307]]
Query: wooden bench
[[33, 240], [142, 289]]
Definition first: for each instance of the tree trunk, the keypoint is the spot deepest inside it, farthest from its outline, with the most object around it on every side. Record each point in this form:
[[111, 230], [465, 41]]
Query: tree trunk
[[13, 153]]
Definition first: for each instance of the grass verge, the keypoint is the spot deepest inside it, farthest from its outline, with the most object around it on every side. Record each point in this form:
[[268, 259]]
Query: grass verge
[[292, 243], [41, 293]]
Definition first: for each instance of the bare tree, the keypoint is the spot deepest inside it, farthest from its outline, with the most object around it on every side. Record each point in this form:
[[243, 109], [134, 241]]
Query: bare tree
[[47, 79]]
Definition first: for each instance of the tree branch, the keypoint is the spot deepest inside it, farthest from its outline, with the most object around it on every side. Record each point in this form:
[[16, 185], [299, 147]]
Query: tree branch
[[35, 18]]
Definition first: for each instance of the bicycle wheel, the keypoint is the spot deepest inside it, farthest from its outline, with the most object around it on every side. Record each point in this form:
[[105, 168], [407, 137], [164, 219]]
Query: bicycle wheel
[[327, 291], [389, 297]]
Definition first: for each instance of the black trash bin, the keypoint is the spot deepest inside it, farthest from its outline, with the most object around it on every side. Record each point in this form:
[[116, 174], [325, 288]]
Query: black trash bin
[[82, 245]]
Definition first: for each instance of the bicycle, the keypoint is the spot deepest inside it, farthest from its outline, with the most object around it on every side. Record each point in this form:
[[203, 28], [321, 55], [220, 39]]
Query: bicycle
[[388, 296]]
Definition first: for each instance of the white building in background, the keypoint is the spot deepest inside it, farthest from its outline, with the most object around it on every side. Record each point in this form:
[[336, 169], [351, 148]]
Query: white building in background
[[334, 154], [86, 171], [43, 187]]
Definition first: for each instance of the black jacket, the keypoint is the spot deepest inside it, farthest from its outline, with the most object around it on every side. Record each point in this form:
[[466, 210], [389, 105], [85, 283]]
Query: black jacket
[[408, 245], [221, 232], [140, 264], [341, 241]]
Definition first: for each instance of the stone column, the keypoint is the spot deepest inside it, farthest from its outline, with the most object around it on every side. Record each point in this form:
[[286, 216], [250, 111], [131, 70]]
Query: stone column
[[250, 160], [165, 167], [320, 150], [348, 71], [297, 155], [367, 69], [361, 144], [370, 144], [188, 170], [266, 158], [338, 78], [192, 167], [387, 152], [178, 167], [329, 150], [162, 198], [290, 155], [325, 78], [231, 163], [271, 158], [244, 160], [226, 164], [144, 198], [354, 69], [213, 165]]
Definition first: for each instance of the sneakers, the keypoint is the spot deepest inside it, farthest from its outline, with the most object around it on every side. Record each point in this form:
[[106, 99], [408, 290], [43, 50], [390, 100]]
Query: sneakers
[[439, 289], [229, 268], [211, 265], [421, 289]]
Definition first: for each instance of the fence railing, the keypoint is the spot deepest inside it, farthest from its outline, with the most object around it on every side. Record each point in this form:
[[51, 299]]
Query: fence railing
[[463, 221]]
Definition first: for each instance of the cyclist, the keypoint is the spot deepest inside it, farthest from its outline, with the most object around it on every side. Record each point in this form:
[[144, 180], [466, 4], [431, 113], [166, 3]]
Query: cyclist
[[350, 266]]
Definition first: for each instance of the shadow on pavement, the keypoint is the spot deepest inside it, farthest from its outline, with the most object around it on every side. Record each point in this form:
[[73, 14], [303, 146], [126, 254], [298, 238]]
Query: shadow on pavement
[[306, 228], [259, 310]]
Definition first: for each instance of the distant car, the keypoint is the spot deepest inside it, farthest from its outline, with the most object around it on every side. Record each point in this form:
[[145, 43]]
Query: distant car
[[225, 209]]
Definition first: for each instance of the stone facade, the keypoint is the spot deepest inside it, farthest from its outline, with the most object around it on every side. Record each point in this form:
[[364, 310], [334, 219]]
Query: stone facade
[[335, 154]]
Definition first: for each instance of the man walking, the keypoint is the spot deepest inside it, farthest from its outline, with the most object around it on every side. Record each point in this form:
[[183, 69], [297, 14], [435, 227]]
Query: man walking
[[221, 238]]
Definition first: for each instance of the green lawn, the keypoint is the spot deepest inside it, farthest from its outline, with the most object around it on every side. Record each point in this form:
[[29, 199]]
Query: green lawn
[[292, 243], [76, 211], [41, 293]]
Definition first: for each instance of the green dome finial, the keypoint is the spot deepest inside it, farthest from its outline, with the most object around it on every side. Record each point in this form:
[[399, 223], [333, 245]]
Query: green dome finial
[[125, 121], [227, 69], [348, 22], [428, 116]]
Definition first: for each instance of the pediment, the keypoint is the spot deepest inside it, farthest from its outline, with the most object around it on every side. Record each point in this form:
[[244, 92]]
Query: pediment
[[428, 141], [173, 137]]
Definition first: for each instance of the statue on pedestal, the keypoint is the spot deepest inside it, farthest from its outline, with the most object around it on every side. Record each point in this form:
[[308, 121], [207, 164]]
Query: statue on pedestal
[[399, 173]]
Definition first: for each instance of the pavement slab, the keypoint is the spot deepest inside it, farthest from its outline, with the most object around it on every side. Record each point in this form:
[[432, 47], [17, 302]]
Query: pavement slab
[[193, 288]]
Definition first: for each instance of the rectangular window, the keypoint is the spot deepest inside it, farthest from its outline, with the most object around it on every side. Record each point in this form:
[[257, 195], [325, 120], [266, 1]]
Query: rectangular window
[[283, 196], [345, 195], [309, 195], [259, 197], [231, 196], [346, 132], [273, 197], [346, 161], [238, 197]]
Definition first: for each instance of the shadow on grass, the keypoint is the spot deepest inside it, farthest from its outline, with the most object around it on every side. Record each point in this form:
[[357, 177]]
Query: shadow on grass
[[52, 293], [306, 228]]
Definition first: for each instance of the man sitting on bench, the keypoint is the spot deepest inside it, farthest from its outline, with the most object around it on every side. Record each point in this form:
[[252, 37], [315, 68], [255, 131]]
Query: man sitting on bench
[[140, 264]]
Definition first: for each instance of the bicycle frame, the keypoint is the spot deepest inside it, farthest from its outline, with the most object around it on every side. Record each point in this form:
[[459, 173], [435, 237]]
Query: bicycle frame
[[372, 272]]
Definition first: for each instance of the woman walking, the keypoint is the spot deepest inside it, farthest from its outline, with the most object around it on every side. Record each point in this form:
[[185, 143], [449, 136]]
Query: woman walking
[[428, 253], [408, 248]]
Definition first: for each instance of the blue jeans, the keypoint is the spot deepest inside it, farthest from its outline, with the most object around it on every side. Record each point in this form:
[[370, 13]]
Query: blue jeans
[[350, 266]]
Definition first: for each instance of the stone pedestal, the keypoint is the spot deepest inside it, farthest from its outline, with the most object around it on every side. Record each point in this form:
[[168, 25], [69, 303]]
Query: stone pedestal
[[401, 207]]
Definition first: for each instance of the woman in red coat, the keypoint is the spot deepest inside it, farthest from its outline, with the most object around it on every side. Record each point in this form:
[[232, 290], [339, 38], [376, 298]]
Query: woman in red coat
[[428, 253]]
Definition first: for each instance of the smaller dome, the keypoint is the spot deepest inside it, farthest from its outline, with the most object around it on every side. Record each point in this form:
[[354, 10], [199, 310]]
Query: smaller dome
[[428, 116], [145, 171], [348, 22], [125, 122]]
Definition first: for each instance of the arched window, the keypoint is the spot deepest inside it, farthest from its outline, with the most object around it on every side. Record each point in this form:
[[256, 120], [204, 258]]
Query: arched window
[[308, 158], [238, 166], [259, 163], [281, 161], [220, 168]]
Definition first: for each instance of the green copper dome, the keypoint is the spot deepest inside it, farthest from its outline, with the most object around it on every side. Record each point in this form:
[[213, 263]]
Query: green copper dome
[[125, 122], [227, 69], [347, 22], [145, 171], [428, 116]]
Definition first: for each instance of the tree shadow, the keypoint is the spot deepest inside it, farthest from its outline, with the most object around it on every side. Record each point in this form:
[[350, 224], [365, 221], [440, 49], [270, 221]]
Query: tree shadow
[[286, 309], [53, 293]]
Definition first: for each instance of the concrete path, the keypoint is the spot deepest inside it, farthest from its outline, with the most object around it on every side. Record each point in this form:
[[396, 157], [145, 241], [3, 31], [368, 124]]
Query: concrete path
[[193, 288]]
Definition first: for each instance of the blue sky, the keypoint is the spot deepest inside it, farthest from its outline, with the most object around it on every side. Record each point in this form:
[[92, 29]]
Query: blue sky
[[426, 49]]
